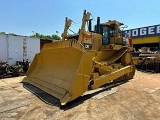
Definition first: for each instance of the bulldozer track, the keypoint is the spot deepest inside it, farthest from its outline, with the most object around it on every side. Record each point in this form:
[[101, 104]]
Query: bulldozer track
[[115, 57]]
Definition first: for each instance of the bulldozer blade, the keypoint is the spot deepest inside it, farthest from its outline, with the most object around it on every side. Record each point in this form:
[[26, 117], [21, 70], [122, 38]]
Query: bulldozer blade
[[62, 72]]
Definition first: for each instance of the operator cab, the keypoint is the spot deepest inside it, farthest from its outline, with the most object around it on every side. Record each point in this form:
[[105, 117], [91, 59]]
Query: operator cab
[[107, 32], [110, 32]]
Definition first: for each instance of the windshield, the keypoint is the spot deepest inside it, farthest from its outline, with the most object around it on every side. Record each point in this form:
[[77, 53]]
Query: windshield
[[107, 32]]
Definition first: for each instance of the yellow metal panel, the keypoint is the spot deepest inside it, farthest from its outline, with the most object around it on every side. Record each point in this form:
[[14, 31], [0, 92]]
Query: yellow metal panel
[[81, 81], [154, 39], [112, 40]]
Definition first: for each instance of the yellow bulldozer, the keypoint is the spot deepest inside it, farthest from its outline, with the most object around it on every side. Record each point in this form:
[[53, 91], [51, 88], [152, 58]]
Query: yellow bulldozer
[[80, 62]]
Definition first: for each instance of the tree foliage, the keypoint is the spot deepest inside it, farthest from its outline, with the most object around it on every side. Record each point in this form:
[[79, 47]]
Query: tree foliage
[[2, 32], [11, 34], [38, 35], [53, 37], [8, 33]]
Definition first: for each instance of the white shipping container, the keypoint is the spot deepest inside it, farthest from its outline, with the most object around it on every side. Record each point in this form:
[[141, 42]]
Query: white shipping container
[[14, 48]]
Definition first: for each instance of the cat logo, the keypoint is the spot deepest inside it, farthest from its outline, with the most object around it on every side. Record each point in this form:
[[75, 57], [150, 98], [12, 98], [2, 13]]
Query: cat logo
[[87, 46]]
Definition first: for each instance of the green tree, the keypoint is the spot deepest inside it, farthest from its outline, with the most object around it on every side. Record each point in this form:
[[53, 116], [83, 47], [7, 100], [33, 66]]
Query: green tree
[[53, 37], [11, 34], [2, 32]]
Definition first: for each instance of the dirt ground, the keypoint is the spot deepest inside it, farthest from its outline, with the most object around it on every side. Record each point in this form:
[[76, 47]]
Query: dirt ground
[[137, 99]]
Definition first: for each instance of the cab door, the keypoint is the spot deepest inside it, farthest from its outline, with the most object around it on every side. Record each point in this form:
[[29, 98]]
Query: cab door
[[105, 35]]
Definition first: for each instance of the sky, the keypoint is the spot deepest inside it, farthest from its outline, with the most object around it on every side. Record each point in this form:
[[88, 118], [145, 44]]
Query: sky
[[23, 17]]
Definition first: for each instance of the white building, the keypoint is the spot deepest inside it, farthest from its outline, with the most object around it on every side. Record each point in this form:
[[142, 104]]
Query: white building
[[14, 48]]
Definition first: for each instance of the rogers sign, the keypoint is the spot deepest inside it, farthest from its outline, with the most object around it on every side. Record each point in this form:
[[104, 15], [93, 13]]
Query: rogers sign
[[144, 31]]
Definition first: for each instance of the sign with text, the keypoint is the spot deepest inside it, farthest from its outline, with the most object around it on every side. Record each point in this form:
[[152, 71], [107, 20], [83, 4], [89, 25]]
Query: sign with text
[[143, 32]]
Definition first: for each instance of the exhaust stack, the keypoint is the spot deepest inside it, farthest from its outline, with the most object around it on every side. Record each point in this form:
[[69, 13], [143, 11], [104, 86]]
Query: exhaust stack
[[98, 25]]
